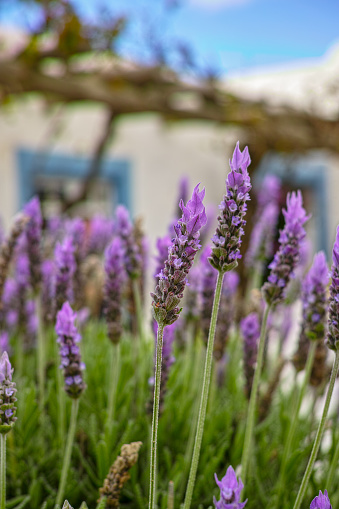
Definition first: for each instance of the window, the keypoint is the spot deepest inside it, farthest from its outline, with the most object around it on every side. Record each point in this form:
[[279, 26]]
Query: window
[[309, 175], [56, 177]]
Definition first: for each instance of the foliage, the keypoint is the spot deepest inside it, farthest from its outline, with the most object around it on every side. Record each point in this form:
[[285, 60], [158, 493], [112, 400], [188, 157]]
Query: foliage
[[35, 444]]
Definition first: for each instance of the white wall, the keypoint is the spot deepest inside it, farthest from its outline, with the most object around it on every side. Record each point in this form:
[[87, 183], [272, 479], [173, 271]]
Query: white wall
[[160, 154]]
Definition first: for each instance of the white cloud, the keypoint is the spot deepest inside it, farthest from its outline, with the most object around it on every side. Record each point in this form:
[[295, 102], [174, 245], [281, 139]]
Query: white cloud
[[218, 4]]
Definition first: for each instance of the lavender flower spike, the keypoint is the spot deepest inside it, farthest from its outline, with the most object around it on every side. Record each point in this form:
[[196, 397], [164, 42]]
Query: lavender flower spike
[[124, 228], [7, 395], [65, 269], [322, 501], [68, 339], [333, 319], [250, 330], [173, 277], [230, 491], [114, 281], [227, 239], [33, 234], [314, 298], [287, 257]]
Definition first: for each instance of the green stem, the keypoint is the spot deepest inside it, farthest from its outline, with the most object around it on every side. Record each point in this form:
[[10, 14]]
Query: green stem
[[41, 353], [253, 399], [3, 472], [155, 418], [319, 434], [204, 393], [68, 453], [60, 397], [295, 420], [138, 307], [114, 378]]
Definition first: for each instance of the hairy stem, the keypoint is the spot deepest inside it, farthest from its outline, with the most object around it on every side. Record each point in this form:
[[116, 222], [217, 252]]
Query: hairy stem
[[3, 472], [204, 393], [68, 453], [155, 418], [253, 399], [319, 434], [114, 378]]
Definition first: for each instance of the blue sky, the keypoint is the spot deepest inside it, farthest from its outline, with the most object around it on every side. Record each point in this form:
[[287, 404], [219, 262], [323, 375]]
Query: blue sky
[[233, 34]]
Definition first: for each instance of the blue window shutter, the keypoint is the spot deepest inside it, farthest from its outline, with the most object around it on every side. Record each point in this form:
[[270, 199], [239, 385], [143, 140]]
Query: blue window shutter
[[117, 173], [303, 172]]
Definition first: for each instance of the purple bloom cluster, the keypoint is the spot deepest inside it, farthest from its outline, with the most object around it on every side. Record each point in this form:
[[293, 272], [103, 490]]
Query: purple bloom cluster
[[322, 501], [7, 395], [287, 257], [68, 339], [185, 244], [101, 230], [262, 238], [230, 491], [250, 330], [8, 247], [208, 281], [65, 269], [227, 239], [114, 282], [124, 229], [314, 298], [76, 229], [33, 234], [333, 319]]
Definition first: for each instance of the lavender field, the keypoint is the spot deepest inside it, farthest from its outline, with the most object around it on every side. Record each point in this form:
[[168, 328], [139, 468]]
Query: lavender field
[[186, 398]]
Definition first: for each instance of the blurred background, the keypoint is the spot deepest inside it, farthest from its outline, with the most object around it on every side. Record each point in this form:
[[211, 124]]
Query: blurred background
[[108, 102]]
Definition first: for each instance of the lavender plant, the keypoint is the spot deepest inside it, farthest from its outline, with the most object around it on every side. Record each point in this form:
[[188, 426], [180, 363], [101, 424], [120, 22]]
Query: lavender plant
[[230, 491], [282, 266], [113, 287], [68, 340], [314, 301], [65, 270], [261, 242], [114, 283], [250, 329], [231, 222], [322, 501], [7, 417], [167, 296], [225, 253], [333, 344], [33, 234], [132, 258], [8, 246]]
